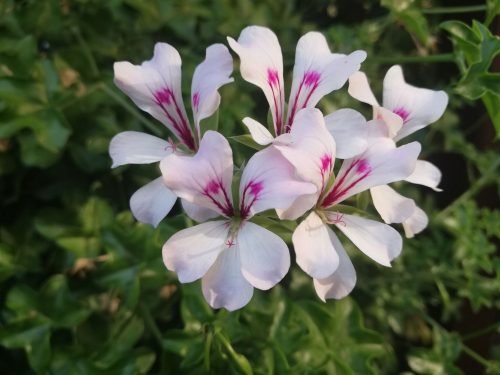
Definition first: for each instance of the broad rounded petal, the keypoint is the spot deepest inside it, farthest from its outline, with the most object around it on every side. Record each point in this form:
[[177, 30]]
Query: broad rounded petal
[[392, 121], [208, 77], [192, 251], [265, 259], [350, 131], [224, 284], [416, 223], [152, 202], [137, 148], [262, 65], [359, 89], [198, 213], [379, 241], [155, 87], [269, 182], [315, 250], [259, 132], [298, 208], [205, 178], [380, 164], [427, 174], [311, 149], [342, 281], [392, 206], [417, 107], [318, 72]]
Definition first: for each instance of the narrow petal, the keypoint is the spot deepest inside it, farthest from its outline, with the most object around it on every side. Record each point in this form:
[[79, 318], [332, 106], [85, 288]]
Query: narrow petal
[[192, 251], [155, 87], [359, 89], [259, 132], [269, 182], [318, 72], [198, 213], [417, 107], [392, 206], [427, 174], [312, 148], [416, 223], [152, 202], [349, 130], [315, 250], [380, 164], [265, 259], [262, 65], [224, 284], [379, 241], [208, 77], [205, 178], [342, 281]]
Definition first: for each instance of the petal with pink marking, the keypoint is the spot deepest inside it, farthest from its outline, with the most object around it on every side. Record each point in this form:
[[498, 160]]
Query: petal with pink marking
[[155, 87], [208, 77], [427, 174], [192, 251], [392, 121], [315, 250], [269, 182], [342, 281], [224, 285], [359, 89], [198, 213], [259, 132], [265, 259], [132, 147], [350, 131], [379, 241], [318, 72], [205, 178], [416, 223], [418, 107], [262, 65], [152, 202], [392, 206], [380, 164]]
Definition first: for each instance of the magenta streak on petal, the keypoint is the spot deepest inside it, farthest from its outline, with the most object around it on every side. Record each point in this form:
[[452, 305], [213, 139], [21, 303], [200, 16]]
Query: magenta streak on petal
[[401, 112], [254, 189], [362, 171], [326, 165], [196, 101], [311, 81], [214, 188], [273, 81]]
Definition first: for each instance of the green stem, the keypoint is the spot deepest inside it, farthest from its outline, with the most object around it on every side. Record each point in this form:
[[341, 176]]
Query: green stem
[[471, 353], [86, 52], [444, 57], [151, 325], [451, 10], [482, 331]]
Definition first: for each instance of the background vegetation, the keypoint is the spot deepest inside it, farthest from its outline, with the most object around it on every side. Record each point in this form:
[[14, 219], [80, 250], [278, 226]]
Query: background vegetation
[[83, 289]]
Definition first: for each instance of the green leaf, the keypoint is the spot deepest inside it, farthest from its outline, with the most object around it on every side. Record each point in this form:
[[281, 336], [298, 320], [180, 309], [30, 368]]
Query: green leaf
[[247, 140]]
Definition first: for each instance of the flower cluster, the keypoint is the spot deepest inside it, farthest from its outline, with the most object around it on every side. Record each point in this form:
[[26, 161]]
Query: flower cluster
[[293, 177]]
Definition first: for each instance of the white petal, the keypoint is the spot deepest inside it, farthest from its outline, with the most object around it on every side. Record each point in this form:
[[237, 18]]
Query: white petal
[[380, 164], [265, 259], [137, 148], [262, 65], [392, 121], [208, 77], [298, 208], [205, 178], [155, 87], [427, 174], [318, 72], [342, 281], [192, 251], [392, 206], [417, 106], [359, 89], [224, 284], [314, 248], [416, 223], [152, 202], [379, 241], [259, 132], [198, 213], [269, 182], [350, 131]]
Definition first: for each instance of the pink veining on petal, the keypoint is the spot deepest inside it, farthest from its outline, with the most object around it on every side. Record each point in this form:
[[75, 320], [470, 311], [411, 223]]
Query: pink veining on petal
[[311, 78], [164, 96], [309, 84], [401, 112], [196, 100], [216, 192], [325, 168], [363, 167], [274, 83], [250, 195]]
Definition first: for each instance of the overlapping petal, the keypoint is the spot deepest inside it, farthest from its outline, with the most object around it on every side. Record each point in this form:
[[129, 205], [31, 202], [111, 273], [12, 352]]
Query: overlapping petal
[[416, 223], [392, 206], [349, 130], [259, 132], [427, 174]]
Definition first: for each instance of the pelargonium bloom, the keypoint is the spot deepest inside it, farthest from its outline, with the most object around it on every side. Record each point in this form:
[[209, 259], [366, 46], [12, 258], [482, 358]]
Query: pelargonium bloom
[[311, 149], [231, 255], [405, 109], [316, 73], [155, 87]]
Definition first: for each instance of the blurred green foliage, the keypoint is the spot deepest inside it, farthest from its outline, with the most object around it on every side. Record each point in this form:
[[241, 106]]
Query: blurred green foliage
[[83, 287]]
